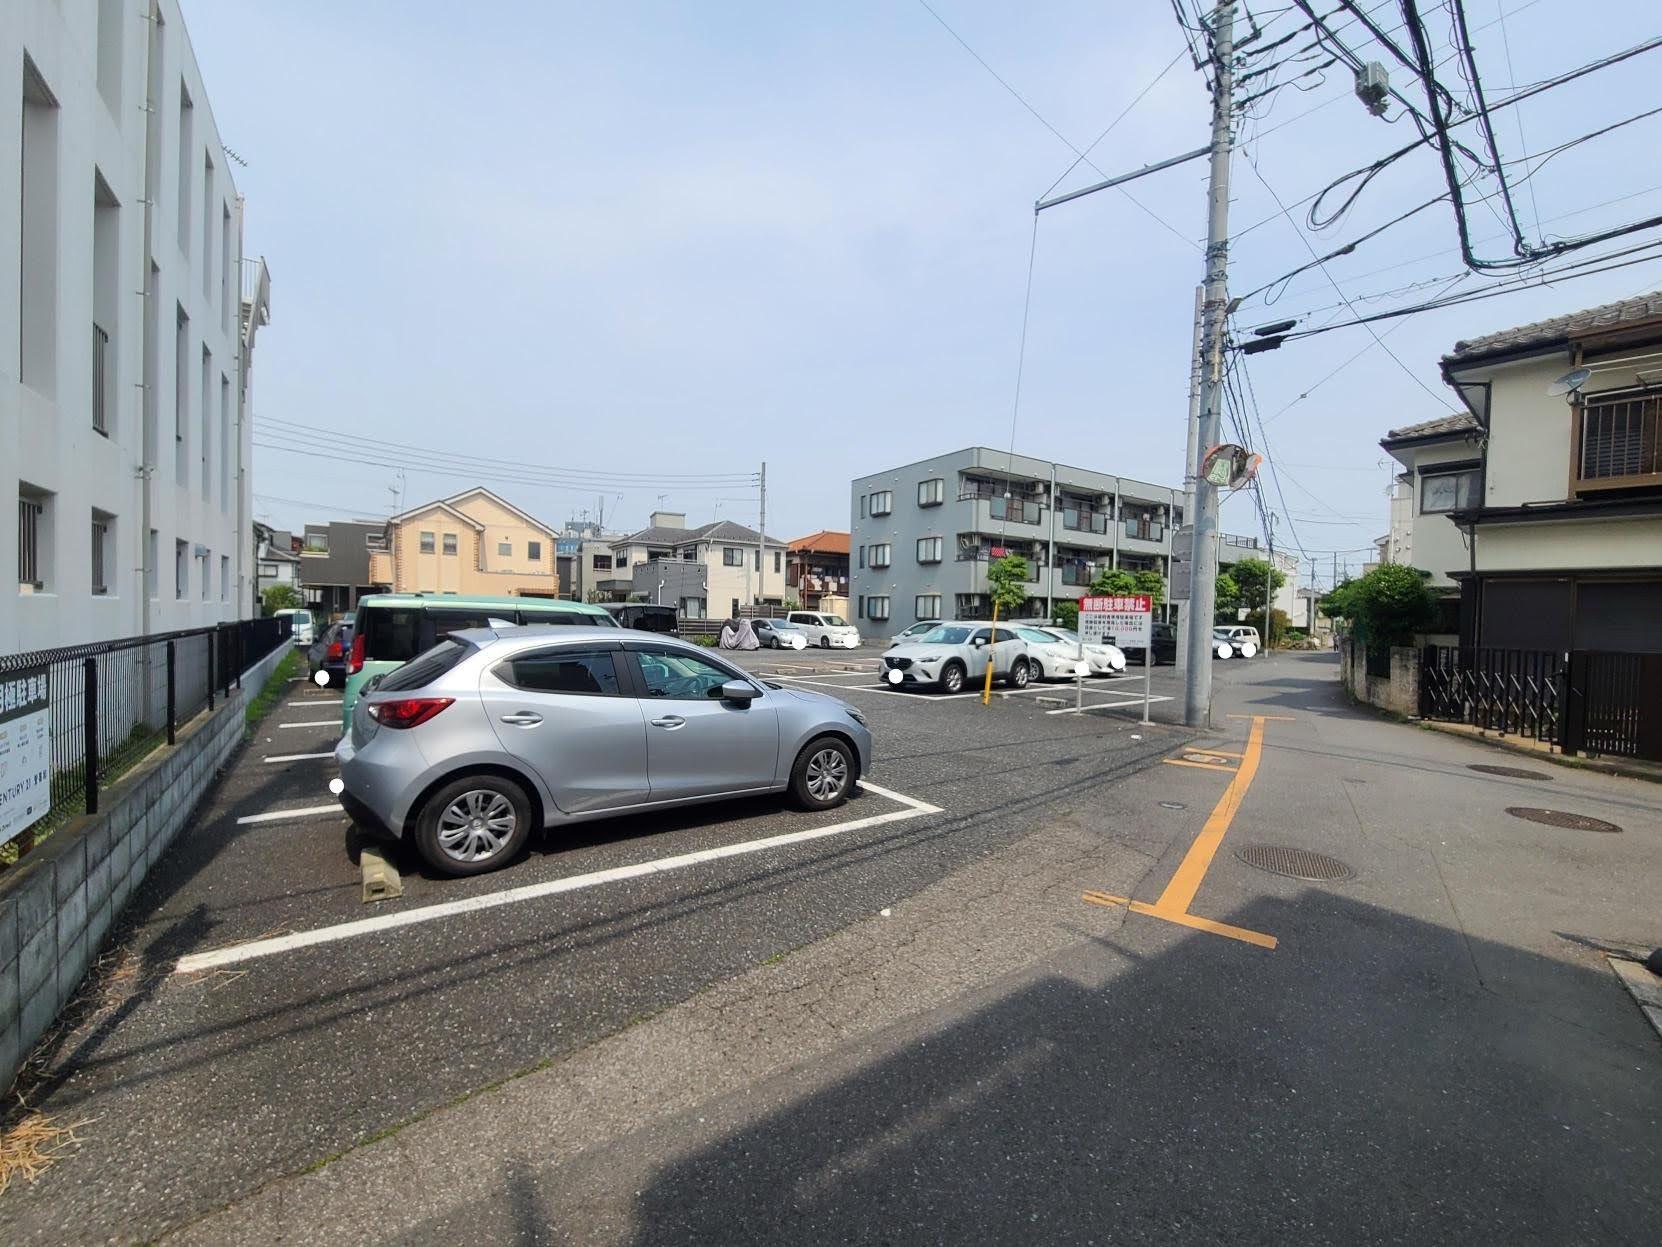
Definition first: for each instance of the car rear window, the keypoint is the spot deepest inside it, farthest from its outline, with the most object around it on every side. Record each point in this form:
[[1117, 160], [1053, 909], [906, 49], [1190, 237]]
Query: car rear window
[[422, 671]]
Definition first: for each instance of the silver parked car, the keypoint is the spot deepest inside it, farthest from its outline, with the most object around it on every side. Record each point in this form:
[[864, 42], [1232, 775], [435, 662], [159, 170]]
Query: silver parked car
[[493, 732], [954, 654]]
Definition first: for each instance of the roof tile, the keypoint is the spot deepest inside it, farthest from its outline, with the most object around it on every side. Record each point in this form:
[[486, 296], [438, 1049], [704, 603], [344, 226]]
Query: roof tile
[[1560, 328]]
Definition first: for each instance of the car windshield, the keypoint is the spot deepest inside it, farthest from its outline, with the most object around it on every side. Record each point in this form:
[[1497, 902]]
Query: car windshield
[[1067, 634], [782, 625], [945, 635], [1036, 636], [834, 621], [1222, 633]]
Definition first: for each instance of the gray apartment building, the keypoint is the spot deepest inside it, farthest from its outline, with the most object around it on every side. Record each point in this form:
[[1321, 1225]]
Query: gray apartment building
[[923, 534]]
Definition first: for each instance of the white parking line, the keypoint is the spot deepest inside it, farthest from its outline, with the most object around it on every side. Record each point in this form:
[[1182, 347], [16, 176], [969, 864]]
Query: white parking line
[[304, 811], [913, 808], [319, 701], [297, 757], [1116, 705], [313, 723]]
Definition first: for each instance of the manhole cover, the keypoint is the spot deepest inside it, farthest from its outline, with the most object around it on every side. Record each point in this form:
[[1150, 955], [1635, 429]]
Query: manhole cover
[[1508, 772], [1561, 818], [1295, 863]]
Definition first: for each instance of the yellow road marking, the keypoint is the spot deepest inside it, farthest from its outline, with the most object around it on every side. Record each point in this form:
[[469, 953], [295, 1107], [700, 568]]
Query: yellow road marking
[[1268, 718], [1199, 766], [1222, 753], [1174, 902]]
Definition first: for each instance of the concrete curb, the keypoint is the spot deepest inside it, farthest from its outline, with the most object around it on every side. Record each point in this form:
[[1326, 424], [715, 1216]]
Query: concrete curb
[[1634, 769], [1643, 986]]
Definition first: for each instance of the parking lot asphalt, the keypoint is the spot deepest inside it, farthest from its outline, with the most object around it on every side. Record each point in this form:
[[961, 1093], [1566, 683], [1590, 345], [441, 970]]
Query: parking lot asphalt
[[208, 1082]]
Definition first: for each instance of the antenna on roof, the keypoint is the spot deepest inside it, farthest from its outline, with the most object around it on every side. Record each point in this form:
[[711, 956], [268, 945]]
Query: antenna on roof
[[1571, 381]]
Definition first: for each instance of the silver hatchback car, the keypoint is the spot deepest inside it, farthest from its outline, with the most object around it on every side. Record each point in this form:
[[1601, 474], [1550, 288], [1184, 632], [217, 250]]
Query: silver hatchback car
[[492, 732]]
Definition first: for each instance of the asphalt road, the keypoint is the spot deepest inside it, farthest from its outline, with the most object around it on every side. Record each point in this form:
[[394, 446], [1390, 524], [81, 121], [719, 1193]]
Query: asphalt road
[[919, 1030], [207, 1085]]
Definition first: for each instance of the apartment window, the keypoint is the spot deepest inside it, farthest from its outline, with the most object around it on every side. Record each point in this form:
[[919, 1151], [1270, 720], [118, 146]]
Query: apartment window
[[315, 543], [622, 559], [38, 254], [533, 551], [111, 15], [601, 563], [1620, 438], [152, 551], [207, 226], [882, 502], [758, 558], [862, 506], [878, 556], [732, 556], [505, 549], [689, 554], [102, 523], [450, 543], [224, 578], [225, 442], [860, 607], [106, 300], [931, 493], [203, 563], [927, 606], [227, 288], [181, 390], [187, 144], [1448, 491], [181, 574], [877, 608], [1144, 527], [34, 537], [929, 549], [206, 448], [861, 557], [429, 542], [778, 562]]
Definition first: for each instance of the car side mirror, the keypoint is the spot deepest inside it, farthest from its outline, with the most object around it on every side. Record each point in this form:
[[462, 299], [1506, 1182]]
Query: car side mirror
[[739, 692], [978, 642]]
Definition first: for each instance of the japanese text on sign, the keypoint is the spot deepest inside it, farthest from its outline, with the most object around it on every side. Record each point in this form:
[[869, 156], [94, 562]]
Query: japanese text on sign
[[25, 751], [1124, 619]]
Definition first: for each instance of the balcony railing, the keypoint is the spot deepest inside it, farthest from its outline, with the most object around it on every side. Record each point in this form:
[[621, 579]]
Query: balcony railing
[[1015, 510], [1620, 443], [1145, 530], [1076, 574], [1085, 520]]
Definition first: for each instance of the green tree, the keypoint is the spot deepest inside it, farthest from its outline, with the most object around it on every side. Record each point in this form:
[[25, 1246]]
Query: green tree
[[1228, 595], [1007, 582], [1340, 601], [1153, 584], [1249, 576], [1390, 604], [274, 598], [1067, 615], [1113, 581]]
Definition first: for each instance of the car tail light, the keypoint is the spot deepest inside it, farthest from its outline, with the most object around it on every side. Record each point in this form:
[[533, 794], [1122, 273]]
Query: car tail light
[[407, 711], [334, 649], [357, 663]]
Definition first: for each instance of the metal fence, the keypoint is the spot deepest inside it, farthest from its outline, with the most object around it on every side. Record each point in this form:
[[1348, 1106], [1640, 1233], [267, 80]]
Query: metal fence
[[112, 702], [1513, 692], [1613, 705]]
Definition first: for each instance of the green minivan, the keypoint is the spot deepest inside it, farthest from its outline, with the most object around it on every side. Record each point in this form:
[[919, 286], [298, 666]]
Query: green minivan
[[392, 628]]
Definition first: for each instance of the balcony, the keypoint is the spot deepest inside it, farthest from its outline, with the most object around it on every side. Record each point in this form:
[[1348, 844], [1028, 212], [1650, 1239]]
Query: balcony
[[1080, 519], [1145, 530], [1618, 444]]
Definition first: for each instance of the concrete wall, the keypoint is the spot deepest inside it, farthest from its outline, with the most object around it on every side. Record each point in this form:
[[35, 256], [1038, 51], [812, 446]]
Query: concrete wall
[[1398, 693], [59, 903], [88, 262]]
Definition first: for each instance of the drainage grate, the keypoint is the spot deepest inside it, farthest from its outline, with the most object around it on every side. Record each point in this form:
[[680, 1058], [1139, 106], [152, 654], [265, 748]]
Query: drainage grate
[[1295, 863], [1559, 818], [1507, 772]]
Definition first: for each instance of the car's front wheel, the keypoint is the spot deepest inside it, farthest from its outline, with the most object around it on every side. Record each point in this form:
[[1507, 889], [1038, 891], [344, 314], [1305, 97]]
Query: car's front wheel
[[952, 677], [1223, 649], [824, 774], [825, 642], [474, 824], [1249, 650]]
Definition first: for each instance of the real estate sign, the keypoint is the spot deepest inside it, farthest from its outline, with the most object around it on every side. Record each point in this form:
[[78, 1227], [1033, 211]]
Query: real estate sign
[[25, 750], [1126, 620]]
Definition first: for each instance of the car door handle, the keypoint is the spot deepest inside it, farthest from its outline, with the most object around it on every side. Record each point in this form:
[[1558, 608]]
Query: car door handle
[[522, 718], [669, 722]]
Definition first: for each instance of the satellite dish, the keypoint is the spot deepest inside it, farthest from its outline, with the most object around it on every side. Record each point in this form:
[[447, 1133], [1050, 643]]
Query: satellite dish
[[1571, 381]]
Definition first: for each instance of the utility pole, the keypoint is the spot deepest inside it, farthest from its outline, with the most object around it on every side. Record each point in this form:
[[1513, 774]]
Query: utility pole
[[1191, 468], [1197, 692], [1269, 580], [762, 550]]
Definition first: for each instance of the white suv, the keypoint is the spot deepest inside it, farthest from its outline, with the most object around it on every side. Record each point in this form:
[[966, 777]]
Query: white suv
[[1228, 642], [827, 631]]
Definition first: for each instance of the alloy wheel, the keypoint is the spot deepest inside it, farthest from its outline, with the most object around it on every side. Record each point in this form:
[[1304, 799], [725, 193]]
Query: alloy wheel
[[475, 826], [827, 774]]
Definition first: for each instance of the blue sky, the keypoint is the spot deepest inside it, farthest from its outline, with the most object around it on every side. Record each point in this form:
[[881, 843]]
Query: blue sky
[[668, 240]]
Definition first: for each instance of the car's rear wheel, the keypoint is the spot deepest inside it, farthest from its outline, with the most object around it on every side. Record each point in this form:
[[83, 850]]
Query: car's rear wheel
[[473, 824], [825, 642], [1019, 675], [824, 774], [1249, 650], [1223, 649], [952, 677]]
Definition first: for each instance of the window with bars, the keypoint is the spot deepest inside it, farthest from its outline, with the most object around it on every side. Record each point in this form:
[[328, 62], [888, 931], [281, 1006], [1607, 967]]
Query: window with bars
[[181, 570], [31, 539], [100, 553], [1621, 438], [100, 380]]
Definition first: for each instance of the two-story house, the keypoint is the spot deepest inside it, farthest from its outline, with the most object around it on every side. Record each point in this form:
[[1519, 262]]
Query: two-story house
[[472, 543], [709, 570], [816, 571], [924, 534], [1543, 501]]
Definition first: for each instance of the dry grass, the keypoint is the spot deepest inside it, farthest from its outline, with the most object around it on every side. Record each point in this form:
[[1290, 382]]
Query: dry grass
[[32, 1144]]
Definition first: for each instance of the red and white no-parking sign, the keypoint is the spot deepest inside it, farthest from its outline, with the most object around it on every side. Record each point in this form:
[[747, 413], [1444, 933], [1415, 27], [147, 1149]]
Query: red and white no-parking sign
[[1124, 619]]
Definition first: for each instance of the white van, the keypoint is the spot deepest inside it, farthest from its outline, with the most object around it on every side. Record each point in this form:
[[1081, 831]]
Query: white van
[[827, 631], [300, 620]]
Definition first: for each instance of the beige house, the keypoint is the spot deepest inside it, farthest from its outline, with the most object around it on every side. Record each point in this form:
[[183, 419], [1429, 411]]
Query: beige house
[[473, 543]]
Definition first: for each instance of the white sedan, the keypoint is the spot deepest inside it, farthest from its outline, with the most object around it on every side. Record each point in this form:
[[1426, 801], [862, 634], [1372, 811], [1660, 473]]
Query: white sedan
[[1054, 653], [779, 634]]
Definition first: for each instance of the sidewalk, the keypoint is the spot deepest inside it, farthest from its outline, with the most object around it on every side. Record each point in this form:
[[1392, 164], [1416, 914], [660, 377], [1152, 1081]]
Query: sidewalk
[[1630, 768]]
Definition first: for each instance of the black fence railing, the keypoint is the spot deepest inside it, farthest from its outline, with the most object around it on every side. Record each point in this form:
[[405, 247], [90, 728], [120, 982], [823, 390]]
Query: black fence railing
[[1613, 705], [112, 702], [1513, 692]]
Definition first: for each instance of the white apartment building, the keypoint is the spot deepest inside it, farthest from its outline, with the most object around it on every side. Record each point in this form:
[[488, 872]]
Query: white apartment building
[[128, 331]]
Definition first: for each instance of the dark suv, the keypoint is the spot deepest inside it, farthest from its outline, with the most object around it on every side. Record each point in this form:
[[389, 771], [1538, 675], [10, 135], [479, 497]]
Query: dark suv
[[1164, 643]]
